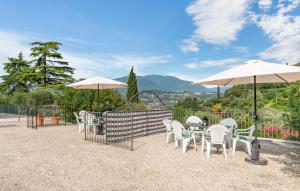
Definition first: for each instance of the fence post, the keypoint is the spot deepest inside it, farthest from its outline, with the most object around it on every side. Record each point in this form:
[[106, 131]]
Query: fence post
[[131, 141], [36, 115], [85, 126], [105, 126], [19, 112], [65, 116]]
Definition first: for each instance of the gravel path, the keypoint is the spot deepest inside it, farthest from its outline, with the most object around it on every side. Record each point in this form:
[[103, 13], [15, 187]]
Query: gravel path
[[57, 158]]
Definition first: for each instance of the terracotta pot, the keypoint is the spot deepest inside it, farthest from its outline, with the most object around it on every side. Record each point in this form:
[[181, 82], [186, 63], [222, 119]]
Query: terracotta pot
[[40, 121], [54, 120]]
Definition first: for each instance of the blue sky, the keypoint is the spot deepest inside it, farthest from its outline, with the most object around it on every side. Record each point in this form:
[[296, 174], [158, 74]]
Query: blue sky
[[187, 39]]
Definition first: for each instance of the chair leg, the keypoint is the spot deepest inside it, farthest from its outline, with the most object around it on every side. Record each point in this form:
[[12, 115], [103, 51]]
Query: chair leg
[[229, 141], [208, 146], [194, 139], [176, 142], [248, 148], [168, 136], [184, 145], [202, 143], [224, 151], [234, 146]]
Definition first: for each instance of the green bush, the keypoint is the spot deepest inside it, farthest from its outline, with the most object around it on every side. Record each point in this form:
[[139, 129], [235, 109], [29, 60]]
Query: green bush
[[20, 98], [3, 99], [40, 97]]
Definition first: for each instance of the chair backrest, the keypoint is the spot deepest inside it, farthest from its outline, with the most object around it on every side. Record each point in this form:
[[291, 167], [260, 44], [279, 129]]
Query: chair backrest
[[194, 119], [252, 129], [83, 114], [229, 123], [177, 128], [77, 118], [167, 124], [217, 133]]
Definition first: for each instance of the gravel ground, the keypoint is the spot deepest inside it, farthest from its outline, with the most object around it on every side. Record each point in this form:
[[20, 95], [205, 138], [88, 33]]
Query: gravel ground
[[57, 158]]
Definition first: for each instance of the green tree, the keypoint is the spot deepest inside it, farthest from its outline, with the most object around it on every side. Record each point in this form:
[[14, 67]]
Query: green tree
[[3, 99], [19, 98], [18, 77], [49, 64], [132, 88], [40, 97], [218, 93]]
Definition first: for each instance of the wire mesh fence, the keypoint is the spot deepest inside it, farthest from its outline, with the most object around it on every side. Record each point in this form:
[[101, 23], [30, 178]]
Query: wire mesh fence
[[120, 128], [12, 113], [270, 124], [46, 116]]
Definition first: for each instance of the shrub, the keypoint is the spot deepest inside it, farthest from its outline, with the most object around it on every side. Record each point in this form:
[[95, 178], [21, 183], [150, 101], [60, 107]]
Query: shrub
[[40, 97]]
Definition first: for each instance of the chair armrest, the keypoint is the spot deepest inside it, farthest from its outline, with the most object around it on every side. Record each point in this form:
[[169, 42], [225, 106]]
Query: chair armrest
[[242, 130], [243, 133]]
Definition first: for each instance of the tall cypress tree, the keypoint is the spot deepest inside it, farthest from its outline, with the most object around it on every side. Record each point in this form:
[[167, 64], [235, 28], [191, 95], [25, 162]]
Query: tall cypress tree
[[132, 88], [18, 77], [48, 64], [218, 94]]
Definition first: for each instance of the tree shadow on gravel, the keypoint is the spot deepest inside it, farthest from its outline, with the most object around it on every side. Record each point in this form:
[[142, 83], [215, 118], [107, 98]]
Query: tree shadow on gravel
[[285, 153]]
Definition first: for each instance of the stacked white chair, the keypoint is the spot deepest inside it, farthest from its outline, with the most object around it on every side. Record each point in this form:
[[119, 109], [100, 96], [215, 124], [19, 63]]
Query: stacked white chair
[[231, 125], [170, 132], [217, 137], [244, 136], [80, 122], [181, 135]]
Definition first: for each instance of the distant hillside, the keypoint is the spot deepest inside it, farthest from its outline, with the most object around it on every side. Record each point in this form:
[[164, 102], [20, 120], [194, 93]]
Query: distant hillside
[[166, 83]]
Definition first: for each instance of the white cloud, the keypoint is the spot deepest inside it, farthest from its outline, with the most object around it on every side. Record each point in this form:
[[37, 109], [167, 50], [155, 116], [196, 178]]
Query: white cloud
[[279, 27], [241, 49], [284, 29], [286, 6], [189, 45], [285, 51], [265, 4], [86, 65], [213, 63], [216, 22]]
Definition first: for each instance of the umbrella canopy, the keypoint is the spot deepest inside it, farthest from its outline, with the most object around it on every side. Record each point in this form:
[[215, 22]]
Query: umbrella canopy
[[264, 72], [98, 82]]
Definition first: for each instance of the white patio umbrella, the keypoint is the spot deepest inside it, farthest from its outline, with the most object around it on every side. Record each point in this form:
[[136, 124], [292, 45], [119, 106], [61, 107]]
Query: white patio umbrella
[[98, 83], [253, 72]]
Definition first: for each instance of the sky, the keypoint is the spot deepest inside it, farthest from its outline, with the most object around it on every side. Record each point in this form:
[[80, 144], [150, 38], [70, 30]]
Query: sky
[[189, 39]]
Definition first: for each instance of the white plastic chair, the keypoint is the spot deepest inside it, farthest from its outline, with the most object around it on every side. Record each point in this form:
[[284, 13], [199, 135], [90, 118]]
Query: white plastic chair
[[217, 137], [83, 114], [80, 122], [244, 136], [231, 125], [193, 119], [170, 133], [182, 135]]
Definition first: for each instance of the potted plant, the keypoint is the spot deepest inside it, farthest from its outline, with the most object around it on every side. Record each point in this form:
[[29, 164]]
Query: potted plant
[[55, 119], [40, 120]]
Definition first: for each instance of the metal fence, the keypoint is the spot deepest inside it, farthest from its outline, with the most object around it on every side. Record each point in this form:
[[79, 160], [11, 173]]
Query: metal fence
[[46, 116], [271, 123], [120, 128], [12, 113]]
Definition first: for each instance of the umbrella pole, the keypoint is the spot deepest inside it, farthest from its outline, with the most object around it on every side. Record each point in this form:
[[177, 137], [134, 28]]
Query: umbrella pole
[[255, 145], [255, 106]]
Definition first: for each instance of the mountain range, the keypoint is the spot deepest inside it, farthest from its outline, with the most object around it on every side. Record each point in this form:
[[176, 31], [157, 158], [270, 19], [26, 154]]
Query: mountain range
[[166, 84]]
